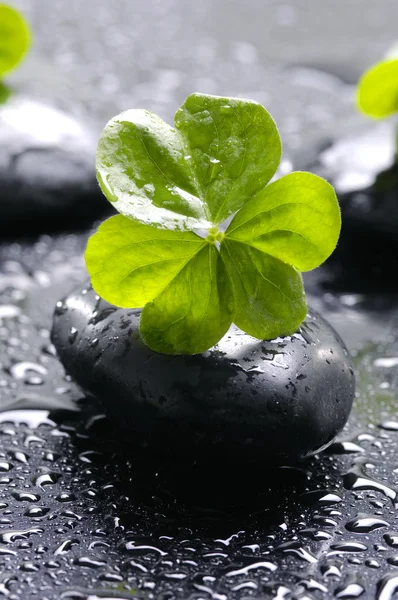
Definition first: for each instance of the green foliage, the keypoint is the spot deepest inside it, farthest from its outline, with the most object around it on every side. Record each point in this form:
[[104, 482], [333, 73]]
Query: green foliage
[[377, 92], [14, 38], [167, 253], [5, 93], [269, 294], [194, 311]]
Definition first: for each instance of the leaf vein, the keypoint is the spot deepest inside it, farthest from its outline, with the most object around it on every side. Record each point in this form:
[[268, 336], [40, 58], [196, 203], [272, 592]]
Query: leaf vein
[[244, 286], [263, 212], [280, 229], [241, 168], [269, 281]]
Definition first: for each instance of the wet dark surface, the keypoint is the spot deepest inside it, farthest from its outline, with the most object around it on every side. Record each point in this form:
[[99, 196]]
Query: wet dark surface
[[83, 511], [82, 514]]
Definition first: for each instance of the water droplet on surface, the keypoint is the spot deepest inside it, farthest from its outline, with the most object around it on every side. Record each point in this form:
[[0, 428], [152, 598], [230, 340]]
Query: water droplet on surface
[[349, 546], [391, 539], [8, 311], [296, 549], [389, 425], [18, 455], [330, 570], [268, 566], [386, 587], [72, 335], [351, 590], [322, 497], [386, 363], [37, 511], [25, 496], [66, 546], [365, 524], [131, 546], [22, 370], [91, 563], [344, 447], [7, 537], [356, 481], [46, 478], [31, 418], [60, 308], [65, 497], [100, 315]]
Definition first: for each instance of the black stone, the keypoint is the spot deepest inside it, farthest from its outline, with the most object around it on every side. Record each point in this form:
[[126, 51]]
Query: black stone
[[47, 168], [244, 399], [364, 172]]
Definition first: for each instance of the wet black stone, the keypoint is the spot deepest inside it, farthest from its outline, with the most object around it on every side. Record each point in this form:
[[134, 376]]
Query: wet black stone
[[364, 172], [276, 400], [47, 174]]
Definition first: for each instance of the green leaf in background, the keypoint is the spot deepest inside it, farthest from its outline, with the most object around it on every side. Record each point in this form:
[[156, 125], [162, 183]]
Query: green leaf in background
[[269, 294], [295, 219], [194, 311], [14, 38], [377, 92], [172, 184], [223, 151], [234, 148], [131, 263], [5, 93]]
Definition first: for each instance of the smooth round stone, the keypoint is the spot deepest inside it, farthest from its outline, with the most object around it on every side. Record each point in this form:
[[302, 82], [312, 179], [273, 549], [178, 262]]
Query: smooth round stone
[[47, 167], [243, 399], [363, 170]]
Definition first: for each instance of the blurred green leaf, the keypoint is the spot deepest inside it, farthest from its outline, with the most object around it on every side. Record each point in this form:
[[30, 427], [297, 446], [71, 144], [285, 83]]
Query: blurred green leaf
[[14, 38], [377, 92], [5, 93]]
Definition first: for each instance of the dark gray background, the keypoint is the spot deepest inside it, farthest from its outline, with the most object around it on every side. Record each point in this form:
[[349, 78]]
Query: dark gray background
[[112, 55]]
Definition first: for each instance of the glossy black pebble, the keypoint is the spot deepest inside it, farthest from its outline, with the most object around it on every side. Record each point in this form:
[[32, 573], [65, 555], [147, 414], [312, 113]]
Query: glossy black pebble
[[47, 168], [244, 399]]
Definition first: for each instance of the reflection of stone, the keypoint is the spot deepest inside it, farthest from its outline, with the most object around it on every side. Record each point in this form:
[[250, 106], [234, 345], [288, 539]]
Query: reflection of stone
[[47, 168], [364, 173], [243, 399]]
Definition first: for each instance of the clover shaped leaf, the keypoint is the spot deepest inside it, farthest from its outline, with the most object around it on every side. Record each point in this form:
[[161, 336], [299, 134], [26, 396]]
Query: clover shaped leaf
[[202, 240], [377, 92], [14, 38]]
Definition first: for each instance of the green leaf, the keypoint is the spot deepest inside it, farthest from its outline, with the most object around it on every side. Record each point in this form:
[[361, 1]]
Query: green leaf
[[269, 294], [234, 147], [143, 170], [194, 311], [14, 38], [225, 151], [377, 92], [5, 93], [295, 219], [131, 263], [168, 184]]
